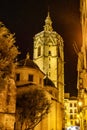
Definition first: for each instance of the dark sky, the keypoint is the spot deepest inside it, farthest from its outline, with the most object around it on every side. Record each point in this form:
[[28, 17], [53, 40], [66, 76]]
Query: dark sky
[[25, 18]]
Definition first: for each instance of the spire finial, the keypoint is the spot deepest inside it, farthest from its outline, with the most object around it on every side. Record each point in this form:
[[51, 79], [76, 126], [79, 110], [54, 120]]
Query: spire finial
[[48, 23]]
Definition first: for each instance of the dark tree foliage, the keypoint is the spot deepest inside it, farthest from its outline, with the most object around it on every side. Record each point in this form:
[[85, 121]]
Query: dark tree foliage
[[32, 107], [8, 51]]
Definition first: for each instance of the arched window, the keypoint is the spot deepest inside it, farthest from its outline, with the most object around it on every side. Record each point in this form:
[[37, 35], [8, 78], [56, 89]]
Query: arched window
[[39, 50]]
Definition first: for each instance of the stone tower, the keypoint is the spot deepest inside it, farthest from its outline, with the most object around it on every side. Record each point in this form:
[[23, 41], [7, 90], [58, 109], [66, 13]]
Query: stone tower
[[49, 55]]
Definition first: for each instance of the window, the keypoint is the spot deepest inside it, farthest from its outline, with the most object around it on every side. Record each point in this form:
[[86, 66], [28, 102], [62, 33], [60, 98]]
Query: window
[[70, 104], [75, 110], [49, 66], [30, 77], [40, 81], [74, 104], [71, 123], [49, 52], [71, 116], [75, 116], [8, 99], [17, 76], [39, 50], [71, 111]]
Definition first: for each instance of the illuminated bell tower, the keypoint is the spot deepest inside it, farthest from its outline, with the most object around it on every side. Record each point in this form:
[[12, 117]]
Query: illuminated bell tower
[[49, 55]]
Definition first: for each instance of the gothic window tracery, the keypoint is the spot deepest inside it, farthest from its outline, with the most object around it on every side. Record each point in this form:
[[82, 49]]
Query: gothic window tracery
[[39, 51]]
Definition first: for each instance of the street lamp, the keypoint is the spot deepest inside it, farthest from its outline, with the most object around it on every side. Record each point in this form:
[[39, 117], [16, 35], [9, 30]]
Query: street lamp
[[80, 103]]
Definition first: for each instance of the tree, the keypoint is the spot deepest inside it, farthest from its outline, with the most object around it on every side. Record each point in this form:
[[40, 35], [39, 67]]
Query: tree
[[8, 51], [32, 107], [8, 54]]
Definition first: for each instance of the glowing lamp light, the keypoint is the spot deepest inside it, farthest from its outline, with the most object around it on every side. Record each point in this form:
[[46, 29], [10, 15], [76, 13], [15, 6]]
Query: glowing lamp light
[[78, 116], [80, 103], [77, 121]]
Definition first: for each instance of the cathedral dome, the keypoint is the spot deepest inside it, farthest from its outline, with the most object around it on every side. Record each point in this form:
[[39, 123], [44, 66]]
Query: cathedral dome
[[48, 82], [28, 63]]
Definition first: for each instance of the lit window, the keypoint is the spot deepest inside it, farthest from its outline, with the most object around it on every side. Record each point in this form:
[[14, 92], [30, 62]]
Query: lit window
[[17, 76], [74, 104], [71, 116], [30, 77], [71, 123], [75, 110], [75, 116], [71, 111]]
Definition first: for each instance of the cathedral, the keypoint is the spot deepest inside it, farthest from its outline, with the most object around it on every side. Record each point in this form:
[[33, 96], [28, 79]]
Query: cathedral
[[46, 71], [49, 55]]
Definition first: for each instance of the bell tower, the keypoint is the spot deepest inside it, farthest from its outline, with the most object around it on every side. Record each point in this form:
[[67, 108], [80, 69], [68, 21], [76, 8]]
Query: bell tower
[[49, 55]]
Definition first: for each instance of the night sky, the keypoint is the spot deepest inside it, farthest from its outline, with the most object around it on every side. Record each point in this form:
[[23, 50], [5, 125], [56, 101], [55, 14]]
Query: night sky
[[25, 18]]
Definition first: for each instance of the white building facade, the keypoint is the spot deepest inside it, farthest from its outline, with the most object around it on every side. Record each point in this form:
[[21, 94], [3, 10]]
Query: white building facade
[[71, 111]]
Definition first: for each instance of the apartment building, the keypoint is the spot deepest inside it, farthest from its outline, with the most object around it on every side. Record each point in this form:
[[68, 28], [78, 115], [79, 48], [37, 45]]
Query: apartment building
[[70, 110]]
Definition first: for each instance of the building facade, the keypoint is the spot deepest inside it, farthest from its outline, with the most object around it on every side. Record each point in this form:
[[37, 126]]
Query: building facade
[[49, 55], [71, 111], [48, 63], [28, 72], [25, 82], [82, 68]]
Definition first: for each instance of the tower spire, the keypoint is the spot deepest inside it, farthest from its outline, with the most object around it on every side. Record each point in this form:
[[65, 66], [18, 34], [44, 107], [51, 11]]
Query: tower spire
[[48, 23]]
